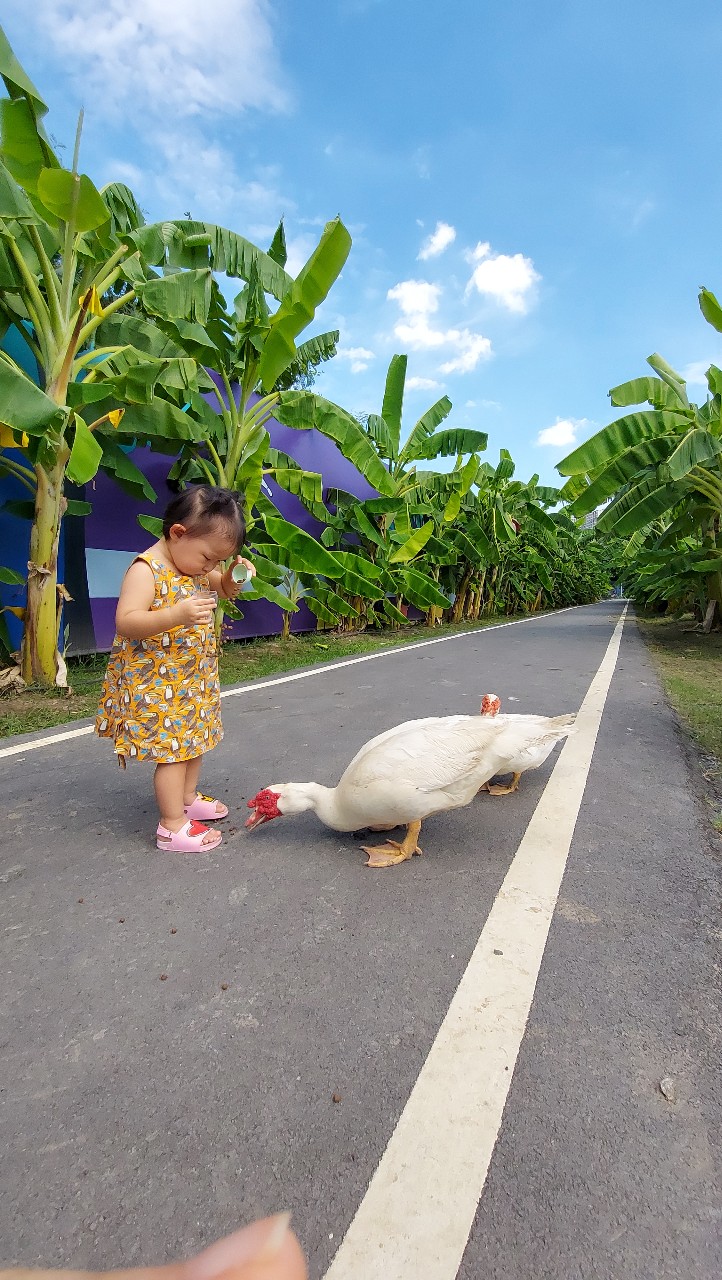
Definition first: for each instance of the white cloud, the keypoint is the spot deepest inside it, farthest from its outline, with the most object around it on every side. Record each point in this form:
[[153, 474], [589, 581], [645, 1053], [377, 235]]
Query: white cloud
[[358, 356], [416, 297], [472, 348], [510, 279], [299, 250], [641, 211], [440, 239], [192, 174], [694, 373], [420, 162], [564, 431], [168, 57], [418, 300], [422, 384], [124, 171], [624, 204]]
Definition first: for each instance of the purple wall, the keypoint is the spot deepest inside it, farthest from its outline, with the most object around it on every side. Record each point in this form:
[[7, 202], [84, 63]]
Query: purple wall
[[97, 547]]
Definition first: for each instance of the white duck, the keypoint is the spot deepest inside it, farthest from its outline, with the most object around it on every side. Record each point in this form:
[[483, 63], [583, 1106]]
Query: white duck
[[525, 751], [406, 774]]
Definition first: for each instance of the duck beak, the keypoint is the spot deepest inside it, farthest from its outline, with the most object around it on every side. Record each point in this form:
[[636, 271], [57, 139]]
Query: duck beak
[[255, 819]]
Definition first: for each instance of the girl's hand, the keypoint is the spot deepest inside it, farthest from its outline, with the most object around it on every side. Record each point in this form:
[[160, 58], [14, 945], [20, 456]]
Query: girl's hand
[[194, 611], [229, 588]]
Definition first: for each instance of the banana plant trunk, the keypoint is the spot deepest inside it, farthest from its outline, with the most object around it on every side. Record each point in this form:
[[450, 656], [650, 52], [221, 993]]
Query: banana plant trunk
[[460, 602], [40, 663], [713, 612]]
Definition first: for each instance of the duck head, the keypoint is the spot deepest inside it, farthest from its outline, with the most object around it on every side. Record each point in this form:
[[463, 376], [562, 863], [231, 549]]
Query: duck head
[[264, 806], [277, 800], [490, 705]]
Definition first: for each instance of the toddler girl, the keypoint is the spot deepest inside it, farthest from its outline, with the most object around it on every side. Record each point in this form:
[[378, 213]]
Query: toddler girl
[[161, 697]]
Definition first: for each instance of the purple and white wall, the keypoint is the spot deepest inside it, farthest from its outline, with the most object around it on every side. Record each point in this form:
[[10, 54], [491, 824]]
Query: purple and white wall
[[97, 549]]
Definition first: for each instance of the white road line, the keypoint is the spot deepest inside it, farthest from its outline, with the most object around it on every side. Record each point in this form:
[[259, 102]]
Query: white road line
[[415, 1218], [34, 743]]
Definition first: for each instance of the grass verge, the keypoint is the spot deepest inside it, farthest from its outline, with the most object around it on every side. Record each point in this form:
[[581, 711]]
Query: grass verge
[[690, 668], [241, 660]]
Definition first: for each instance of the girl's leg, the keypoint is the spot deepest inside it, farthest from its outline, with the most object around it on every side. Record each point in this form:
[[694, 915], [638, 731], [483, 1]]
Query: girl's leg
[[193, 773], [169, 782]]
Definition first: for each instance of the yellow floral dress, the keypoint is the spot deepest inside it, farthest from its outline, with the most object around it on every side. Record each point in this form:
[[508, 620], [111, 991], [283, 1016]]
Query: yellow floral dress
[[161, 698]]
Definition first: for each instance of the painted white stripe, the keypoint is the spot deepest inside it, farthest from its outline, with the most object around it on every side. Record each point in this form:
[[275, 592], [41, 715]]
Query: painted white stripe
[[34, 743], [416, 1216]]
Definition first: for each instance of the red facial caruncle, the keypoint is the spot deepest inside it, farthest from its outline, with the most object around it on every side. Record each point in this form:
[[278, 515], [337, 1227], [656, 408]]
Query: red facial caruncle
[[264, 806], [490, 705]]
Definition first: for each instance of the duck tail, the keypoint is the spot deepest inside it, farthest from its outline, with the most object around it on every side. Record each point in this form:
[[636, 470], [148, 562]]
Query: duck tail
[[563, 722]]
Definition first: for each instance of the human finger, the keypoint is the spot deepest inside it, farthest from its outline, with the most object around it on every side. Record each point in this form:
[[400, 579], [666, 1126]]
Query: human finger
[[265, 1250]]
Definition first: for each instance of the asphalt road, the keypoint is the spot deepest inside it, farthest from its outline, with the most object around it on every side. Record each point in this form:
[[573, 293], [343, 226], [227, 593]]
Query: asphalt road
[[174, 1030]]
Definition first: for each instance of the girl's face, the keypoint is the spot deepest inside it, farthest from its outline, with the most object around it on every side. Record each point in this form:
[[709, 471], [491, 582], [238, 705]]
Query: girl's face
[[197, 553]]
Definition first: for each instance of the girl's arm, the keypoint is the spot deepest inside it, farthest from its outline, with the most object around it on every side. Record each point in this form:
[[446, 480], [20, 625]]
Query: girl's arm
[[137, 620]]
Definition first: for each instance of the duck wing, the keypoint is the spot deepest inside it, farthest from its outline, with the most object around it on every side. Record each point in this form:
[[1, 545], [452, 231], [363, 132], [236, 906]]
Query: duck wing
[[399, 731], [429, 755]]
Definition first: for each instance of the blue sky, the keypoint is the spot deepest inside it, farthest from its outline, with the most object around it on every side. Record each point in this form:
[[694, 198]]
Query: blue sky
[[533, 190]]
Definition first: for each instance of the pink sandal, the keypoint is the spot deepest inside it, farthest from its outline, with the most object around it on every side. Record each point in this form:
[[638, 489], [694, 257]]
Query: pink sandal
[[188, 840], [204, 809]]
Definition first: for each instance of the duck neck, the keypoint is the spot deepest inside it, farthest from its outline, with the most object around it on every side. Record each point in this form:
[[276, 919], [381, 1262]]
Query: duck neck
[[323, 801]]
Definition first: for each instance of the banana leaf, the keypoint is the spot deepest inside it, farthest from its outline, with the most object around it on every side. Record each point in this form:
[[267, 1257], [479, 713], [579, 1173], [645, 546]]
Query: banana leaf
[[393, 402], [303, 410], [300, 302], [412, 545], [23, 406], [623, 433], [195, 245], [422, 591], [306, 552]]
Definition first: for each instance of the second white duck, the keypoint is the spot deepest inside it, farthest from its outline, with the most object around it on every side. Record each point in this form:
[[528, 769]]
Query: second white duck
[[525, 750]]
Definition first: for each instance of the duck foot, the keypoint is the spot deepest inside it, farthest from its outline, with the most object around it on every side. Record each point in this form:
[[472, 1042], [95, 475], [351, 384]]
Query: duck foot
[[499, 790], [391, 853]]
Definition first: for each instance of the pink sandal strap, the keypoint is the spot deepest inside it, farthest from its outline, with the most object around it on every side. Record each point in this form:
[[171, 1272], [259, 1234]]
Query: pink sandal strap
[[204, 809], [190, 838]]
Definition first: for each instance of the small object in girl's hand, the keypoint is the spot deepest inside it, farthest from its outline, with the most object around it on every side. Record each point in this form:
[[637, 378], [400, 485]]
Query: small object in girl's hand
[[206, 594], [240, 575]]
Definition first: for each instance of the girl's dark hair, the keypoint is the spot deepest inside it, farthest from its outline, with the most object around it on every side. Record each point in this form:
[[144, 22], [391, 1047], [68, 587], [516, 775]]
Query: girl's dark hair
[[202, 506]]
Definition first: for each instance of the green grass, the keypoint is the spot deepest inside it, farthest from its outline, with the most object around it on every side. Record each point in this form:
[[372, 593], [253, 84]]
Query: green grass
[[242, 660], [690, 666]]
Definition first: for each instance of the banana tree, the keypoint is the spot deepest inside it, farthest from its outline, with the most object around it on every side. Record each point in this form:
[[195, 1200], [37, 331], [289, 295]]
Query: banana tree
[[64, 247], [394, 528], [661, 464], [51, 286], [245, 353], [374, 445], [495, 512]]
